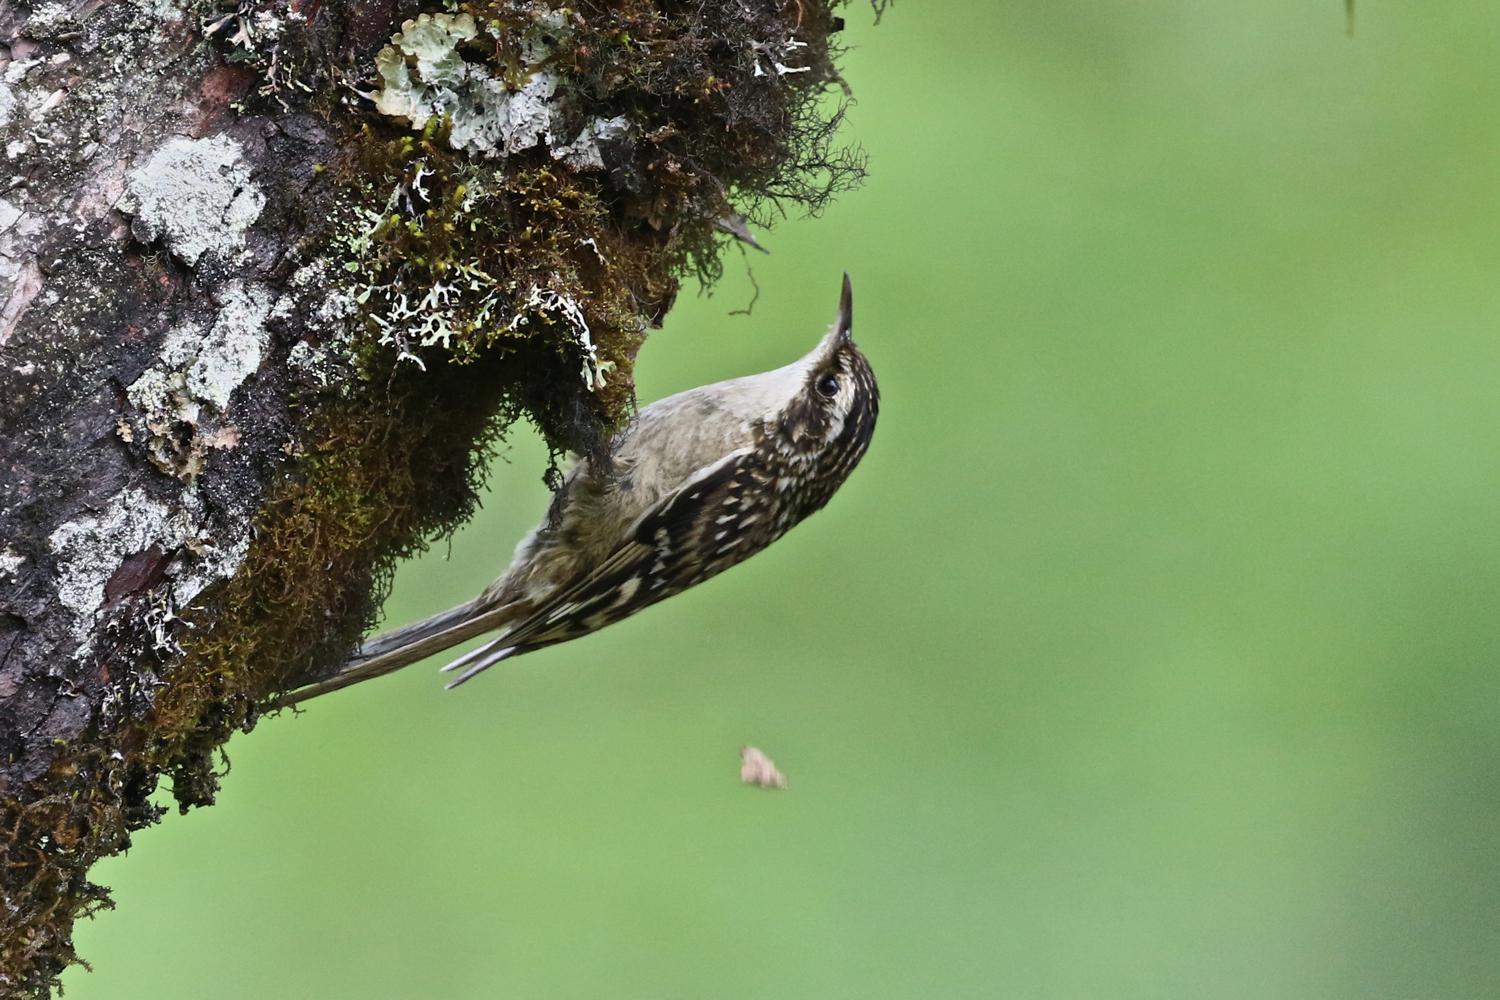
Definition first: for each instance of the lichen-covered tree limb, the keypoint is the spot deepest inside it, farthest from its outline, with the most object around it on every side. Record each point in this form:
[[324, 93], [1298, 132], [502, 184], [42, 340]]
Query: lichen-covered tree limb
[[272, 279]]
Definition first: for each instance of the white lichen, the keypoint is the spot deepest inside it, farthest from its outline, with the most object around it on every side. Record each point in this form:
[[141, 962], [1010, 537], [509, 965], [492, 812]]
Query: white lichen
[[268, 27], [91, 549], [49, 20], [7, 104], [160, 394], [195, 195], [40, 103], [165, 11], [311, 364], [554, 306], [322, 360], [184, 398], [407, 319], [327, 310], [10, 561], [8, 215], [423, 75], [234, 348], [23, 280], [778, 54], [17, 69], [214, 563]]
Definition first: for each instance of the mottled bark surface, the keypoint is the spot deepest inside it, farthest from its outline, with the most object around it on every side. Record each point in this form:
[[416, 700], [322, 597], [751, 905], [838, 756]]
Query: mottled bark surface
[[271, 280]]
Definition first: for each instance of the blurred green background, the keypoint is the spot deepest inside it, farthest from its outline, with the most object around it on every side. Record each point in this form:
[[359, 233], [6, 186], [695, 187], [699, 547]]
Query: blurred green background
[[1151, 652]]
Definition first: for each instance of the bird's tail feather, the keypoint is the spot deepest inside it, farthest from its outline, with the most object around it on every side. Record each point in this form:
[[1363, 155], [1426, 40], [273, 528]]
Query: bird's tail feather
[[404, 646], [399, 638], [482, 658]]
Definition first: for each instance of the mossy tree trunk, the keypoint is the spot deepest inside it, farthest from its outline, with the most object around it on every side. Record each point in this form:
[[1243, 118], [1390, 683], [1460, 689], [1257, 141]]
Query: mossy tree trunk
[[272, 278]]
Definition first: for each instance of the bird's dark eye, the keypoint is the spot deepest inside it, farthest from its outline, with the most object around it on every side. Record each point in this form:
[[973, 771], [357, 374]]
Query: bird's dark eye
[[828, 386]]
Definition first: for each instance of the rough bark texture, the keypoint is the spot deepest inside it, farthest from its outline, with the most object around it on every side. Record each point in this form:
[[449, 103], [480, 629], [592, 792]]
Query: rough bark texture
[[272, 278]]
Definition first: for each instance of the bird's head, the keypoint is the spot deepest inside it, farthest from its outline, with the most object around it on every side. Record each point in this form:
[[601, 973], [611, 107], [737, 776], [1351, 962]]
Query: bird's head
[[835, 400]]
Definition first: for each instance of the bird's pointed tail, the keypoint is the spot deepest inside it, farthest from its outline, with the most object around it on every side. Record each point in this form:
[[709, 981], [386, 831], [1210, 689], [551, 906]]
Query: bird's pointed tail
[[404, 646]]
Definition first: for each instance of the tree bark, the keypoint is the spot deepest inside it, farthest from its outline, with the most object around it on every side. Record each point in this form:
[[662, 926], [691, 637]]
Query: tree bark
[[272, 279]]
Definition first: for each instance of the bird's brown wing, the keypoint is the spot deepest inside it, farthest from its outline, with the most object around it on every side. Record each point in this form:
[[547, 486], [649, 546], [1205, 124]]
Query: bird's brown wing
[[685, 537]]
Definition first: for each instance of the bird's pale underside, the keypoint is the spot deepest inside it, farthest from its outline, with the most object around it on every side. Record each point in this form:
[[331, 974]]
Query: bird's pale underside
[[695, 483]]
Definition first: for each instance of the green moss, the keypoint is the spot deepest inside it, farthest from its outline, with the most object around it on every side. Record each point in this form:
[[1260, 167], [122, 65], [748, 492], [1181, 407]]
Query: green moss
[[450, 259], [383, 471]]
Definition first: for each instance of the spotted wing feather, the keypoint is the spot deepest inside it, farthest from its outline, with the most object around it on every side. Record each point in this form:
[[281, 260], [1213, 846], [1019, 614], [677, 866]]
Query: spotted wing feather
[[702, 528]]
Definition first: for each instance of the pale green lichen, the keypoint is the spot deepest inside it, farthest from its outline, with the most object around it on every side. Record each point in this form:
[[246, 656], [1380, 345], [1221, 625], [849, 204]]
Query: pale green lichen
[[425, 76], [195, 195]]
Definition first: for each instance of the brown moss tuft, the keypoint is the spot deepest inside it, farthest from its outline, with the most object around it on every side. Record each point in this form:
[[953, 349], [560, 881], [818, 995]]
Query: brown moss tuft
[[50, 840]]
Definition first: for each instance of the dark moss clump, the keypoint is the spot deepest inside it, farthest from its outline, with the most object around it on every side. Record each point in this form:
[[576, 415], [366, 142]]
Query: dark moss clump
[[48, 839], [51, 840], [695, 114], [729, 104]]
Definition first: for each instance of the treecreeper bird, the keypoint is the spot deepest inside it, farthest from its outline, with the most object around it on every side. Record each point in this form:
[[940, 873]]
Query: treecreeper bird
[[693, 484]]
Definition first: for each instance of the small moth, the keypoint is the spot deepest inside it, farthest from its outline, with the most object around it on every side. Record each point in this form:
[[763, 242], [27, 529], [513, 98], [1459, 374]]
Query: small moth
[[758, 769]]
